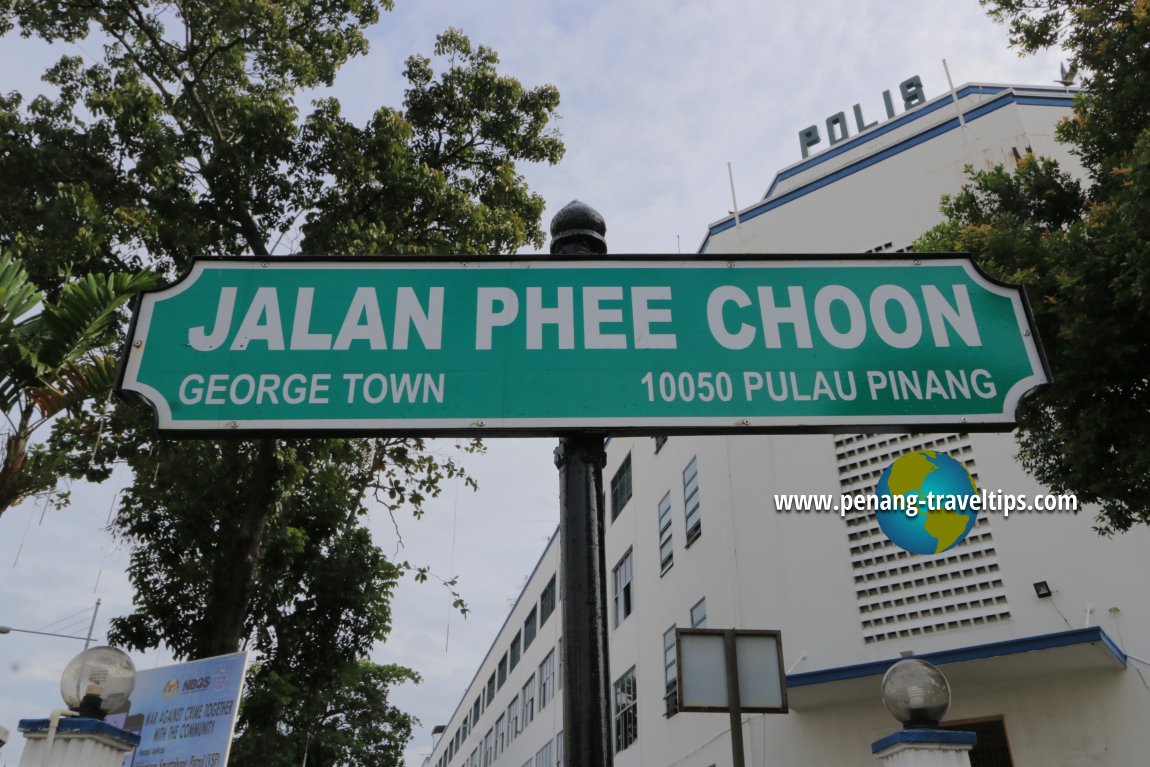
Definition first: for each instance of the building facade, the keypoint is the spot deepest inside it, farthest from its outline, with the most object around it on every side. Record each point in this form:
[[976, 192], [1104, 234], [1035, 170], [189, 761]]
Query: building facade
[[1034, 618]]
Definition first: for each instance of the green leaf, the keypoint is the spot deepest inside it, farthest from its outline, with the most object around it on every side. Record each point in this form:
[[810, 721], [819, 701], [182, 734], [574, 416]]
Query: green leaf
[[189, 134]]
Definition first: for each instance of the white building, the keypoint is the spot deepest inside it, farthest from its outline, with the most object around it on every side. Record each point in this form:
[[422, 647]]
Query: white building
[[693, 538]]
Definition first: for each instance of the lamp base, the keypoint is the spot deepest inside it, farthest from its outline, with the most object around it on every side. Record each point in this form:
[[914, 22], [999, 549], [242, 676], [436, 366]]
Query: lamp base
[[925, 748], [74, 742]]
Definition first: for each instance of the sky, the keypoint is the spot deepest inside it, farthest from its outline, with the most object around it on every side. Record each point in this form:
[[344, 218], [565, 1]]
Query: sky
[[657, 99]]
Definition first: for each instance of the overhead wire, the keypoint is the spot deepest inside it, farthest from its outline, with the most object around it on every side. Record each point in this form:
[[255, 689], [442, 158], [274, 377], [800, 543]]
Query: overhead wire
[[451, 566]]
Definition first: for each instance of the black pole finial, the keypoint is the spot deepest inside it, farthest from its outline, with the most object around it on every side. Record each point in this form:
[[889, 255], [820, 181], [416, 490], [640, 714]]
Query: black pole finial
[[578, 228]]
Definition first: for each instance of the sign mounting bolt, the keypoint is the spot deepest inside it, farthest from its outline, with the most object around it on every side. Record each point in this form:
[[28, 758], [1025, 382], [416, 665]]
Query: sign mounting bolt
[[1026, 332], [138, 344], [233, 424]]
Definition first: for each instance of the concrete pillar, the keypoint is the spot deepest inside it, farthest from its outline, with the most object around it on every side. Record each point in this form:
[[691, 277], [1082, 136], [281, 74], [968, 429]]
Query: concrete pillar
[[74, 742], [925, 748]]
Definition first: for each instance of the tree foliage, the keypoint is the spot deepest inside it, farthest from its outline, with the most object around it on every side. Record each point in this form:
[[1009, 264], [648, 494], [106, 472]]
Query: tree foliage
[[1083, 255], [318, 595], [188, 137], [52, 360], [1108, 42], [358, 726], [440, 176]]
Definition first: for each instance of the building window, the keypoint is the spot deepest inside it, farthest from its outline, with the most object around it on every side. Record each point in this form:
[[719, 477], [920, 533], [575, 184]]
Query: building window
[[546, 680], [621, 487], [543, 756], [626, 711], [547, 601], [513, 719], [670, 672], [559, 662], [666, 548], [529, 628], [502, 670], [691, 501], [475, 711], [488, 746], [529, 701], [514, 652], [699, 614], [659, 442], [500, 735], [491, 689], [474, 761], [559, 749], [624, 599]]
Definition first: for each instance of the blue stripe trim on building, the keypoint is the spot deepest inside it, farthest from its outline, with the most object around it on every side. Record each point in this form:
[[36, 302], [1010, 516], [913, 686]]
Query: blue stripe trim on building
[[925, 737], [1088, 635], [892, 124], [1005, 98], [1042, 98], [849, 170]]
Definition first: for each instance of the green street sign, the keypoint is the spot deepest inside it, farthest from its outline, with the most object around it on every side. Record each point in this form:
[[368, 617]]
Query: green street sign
[[546, 345]]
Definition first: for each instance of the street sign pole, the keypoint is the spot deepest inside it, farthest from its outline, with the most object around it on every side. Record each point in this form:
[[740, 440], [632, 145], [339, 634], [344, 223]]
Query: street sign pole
[[578, 229], [586, 693]]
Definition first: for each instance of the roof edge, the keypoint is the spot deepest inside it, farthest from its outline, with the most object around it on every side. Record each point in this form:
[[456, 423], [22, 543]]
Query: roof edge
[[1087, 635]]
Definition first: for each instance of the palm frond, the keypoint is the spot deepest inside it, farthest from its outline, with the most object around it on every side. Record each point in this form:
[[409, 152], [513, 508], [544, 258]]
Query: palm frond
[[72, 384], [18, 296], [85, 311]]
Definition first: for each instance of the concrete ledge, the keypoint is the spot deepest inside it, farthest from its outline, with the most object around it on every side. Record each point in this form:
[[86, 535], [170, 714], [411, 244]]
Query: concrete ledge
[[72, 726], [927, 738]]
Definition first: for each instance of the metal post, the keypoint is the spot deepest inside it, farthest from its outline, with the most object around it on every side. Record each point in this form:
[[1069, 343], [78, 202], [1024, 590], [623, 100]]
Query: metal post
[[92, 625], [579, 229], [738, 757]]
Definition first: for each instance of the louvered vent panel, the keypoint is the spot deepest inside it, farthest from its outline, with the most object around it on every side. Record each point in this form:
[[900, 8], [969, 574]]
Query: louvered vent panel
[[901, 594]]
